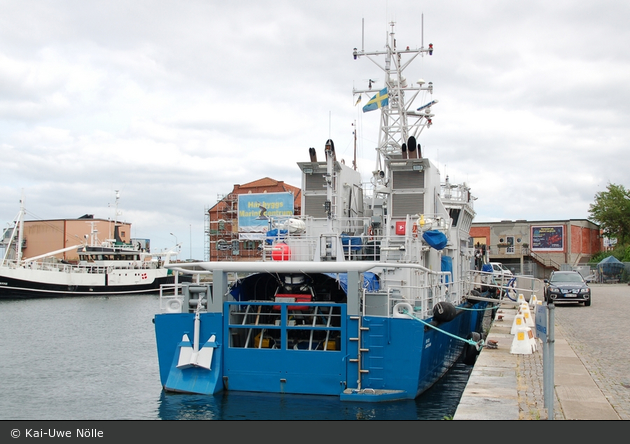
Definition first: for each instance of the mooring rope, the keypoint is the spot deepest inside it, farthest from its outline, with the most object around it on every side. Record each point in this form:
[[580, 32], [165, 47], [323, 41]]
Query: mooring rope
[[492, 307], [478, 345]]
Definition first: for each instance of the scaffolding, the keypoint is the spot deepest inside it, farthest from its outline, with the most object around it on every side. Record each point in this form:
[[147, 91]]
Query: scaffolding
[[221, 240], [206, 233]]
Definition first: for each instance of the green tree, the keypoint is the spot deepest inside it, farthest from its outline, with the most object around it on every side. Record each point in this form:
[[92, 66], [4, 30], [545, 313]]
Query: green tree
[[611, 211]]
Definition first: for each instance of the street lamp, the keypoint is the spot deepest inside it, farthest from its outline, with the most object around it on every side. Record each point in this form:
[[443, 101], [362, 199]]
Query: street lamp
[[176, 244]]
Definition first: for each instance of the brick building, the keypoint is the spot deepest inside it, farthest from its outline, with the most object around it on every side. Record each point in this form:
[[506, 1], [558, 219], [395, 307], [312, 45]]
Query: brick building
[[225, 240]]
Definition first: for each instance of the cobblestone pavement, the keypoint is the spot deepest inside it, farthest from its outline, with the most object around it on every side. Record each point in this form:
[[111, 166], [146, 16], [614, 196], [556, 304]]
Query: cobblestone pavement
[[600, 337], [592, 356], [531, 401]]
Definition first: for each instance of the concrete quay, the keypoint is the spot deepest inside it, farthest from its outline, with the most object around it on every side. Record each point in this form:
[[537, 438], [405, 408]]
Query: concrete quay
[[591, 359]]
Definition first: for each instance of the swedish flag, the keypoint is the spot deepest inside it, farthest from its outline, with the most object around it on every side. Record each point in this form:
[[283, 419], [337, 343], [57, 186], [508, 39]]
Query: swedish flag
[[380, 100]]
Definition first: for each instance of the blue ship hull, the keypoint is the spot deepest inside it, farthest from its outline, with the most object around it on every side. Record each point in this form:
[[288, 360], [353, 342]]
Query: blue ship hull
[[400, 358]]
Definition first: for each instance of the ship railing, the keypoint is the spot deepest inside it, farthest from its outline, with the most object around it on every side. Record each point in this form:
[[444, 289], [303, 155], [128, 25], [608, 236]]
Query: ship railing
[[347, 239], [130, 265], [456, 193], [419, 299], [485, 285], [302, 240], [40, 265], [266, 325], [360, 247], [308, 326], [44, 265], [57, 266]]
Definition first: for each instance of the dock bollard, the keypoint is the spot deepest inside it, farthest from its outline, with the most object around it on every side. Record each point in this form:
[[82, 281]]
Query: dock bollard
[[523, 342], [519, 321], [527, 314]]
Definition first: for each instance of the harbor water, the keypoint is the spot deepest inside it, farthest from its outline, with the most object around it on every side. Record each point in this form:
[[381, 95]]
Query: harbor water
[[95, 358]]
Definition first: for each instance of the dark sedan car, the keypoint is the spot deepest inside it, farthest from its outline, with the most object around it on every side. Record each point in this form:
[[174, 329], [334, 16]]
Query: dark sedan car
[[567, 286]]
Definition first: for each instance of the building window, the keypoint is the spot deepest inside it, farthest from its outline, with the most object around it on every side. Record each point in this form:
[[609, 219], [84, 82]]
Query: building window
[[510, 242]]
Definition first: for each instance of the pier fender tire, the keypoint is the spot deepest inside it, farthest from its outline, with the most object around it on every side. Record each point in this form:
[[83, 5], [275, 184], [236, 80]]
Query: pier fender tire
[[400, 308], [470, 351], [444, 312]]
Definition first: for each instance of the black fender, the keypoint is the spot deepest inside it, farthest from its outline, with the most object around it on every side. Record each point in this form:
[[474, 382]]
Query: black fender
[[470, 351]]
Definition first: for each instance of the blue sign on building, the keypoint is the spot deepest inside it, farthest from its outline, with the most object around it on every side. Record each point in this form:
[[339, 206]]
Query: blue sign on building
[[255, 211]]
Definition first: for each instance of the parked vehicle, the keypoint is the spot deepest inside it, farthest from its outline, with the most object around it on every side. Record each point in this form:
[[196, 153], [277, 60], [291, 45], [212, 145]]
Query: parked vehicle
[[567, 286], [500, 271]]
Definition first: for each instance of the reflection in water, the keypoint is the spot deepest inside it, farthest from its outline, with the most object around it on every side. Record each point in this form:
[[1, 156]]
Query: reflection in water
[[438, 403]]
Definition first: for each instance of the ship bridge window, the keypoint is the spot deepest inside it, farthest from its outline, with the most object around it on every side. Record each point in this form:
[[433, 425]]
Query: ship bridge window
[[454, 213]]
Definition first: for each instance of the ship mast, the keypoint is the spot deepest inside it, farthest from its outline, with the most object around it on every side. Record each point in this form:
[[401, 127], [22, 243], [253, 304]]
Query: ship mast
[[354, 132], [400, 125], [18, 247], [116, 214]]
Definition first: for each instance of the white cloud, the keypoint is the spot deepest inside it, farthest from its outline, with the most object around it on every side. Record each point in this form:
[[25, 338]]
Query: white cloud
[[173, 103]]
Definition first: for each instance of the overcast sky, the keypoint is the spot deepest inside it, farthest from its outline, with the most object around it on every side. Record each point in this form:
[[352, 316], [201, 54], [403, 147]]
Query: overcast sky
[[174, 102]]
